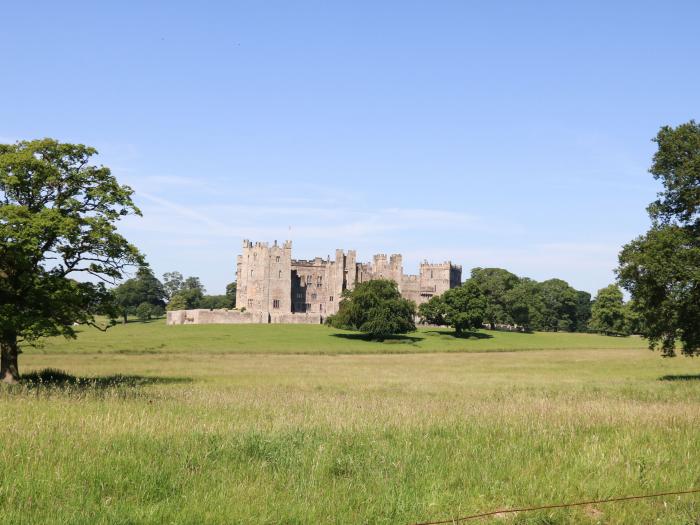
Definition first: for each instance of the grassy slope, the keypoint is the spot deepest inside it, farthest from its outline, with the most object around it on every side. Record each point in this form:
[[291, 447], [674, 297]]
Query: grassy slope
[[272, 438], [156, 337]]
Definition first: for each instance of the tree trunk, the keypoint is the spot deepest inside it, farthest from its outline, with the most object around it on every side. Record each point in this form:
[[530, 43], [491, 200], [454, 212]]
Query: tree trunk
[[9, 370]]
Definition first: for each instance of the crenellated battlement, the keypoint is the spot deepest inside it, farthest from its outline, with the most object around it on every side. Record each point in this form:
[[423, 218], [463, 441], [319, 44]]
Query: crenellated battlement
[[271, 283], [440, 266]]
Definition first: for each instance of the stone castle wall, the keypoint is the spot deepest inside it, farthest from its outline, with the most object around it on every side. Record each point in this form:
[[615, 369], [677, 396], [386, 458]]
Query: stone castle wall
[[274, 288], [202, 316]]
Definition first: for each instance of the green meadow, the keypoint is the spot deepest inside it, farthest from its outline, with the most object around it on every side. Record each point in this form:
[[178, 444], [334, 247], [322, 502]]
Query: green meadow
[[157, 337], [305, 424]]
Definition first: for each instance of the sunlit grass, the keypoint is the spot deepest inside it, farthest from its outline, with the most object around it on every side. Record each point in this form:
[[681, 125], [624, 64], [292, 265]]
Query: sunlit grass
[[157, 337], [272, 437]]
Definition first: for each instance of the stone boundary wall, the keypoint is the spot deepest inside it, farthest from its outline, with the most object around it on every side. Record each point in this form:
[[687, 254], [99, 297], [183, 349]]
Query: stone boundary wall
[[204, 316]]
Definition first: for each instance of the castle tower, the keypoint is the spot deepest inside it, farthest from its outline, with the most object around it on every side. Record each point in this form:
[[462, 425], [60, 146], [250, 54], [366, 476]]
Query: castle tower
[[264, 277], [396, 269], [436, 279]]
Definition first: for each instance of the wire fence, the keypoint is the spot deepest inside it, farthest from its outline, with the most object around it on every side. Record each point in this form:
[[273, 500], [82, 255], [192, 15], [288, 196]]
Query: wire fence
[[557, 506]]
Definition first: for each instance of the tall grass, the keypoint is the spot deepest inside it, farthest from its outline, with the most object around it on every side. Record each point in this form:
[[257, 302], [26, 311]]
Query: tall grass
[[227, 438]]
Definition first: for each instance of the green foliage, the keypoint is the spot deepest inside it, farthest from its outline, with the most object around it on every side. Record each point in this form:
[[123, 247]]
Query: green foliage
[[58, 217], [231, 294], [144, 311], [433, 312], [147, 311], [583, 311], [215, 302], [495, 283], [558, 305], [184, 294], [661, 269], [608, 313], [676, 164], [524, 304], [465, 307], [173, 282], [177, 302], [375, 308], [144, 288], [552, 305]]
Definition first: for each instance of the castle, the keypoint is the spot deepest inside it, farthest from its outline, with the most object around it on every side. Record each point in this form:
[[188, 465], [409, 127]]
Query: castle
[[274, 288]]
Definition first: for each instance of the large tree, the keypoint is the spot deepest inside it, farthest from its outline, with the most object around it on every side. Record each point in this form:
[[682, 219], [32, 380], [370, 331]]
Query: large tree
[[525, 305], [559, 304], [189, 293], [172, 283], [495, 283], [375, 308], [433, 312], [463, 308], [608, 313], [661, 269], [143, 289], [58, 215]]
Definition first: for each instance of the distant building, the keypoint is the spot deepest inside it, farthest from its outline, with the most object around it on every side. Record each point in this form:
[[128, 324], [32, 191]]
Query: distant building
[[273, 287], [269, 280]]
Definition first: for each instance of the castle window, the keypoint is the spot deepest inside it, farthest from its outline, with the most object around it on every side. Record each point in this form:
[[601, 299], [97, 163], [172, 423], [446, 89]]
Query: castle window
[[308, 307], [313, 296], [277, 259], [279, 274], [276, 303], [330, 298], [251, 272], [308, 279], [250, 303]]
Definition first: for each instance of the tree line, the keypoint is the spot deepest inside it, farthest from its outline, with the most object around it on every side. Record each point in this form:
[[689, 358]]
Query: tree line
[[494, 297], [145, 296]]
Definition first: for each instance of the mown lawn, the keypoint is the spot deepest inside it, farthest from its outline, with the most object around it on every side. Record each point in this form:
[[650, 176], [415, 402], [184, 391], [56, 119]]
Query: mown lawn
[[298, 426], [157, 337]]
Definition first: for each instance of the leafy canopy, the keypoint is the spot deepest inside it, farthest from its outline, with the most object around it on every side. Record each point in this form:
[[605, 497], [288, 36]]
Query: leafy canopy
[[661, 269], [185, 294], [144, 288], [608, 313], [375, 308], [495, 283], [58, 216], [463, 308]]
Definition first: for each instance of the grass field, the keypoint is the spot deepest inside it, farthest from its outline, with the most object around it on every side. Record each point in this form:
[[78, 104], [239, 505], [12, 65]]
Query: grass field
[[156, 337], [292, 424]]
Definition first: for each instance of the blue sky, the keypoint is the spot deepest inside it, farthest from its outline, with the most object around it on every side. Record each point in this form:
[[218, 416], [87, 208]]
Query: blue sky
[[510, 134]]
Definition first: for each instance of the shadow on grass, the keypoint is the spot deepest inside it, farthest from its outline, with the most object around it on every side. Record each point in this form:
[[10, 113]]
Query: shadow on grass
[[681, 377], [50, 377], [463, 335], [388, 339]]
